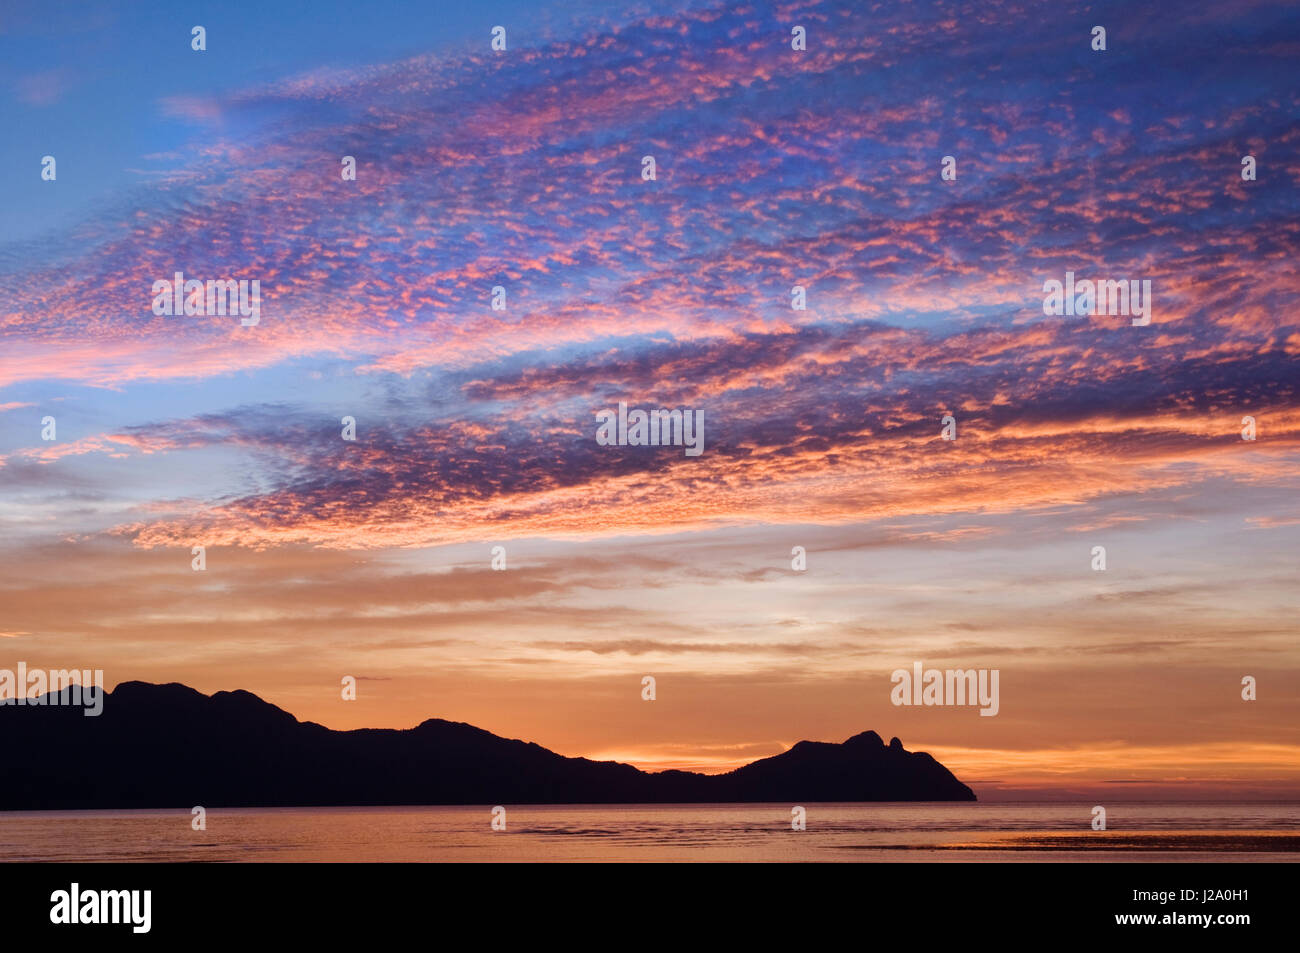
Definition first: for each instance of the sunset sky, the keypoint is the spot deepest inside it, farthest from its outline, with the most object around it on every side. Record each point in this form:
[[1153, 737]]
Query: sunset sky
[[476, 428]]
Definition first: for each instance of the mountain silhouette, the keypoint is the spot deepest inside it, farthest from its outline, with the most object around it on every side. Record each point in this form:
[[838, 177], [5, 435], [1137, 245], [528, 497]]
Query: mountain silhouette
[[159, 746]]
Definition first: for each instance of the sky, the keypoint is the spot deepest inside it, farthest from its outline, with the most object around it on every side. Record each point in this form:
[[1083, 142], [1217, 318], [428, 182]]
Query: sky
[[476, 428]]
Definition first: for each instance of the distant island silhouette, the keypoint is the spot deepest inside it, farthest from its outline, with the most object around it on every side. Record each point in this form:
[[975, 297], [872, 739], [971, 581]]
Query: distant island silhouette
[[169, 746]]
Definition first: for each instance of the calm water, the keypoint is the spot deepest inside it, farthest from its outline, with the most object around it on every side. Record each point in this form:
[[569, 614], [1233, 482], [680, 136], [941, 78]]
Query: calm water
[[750, 832]]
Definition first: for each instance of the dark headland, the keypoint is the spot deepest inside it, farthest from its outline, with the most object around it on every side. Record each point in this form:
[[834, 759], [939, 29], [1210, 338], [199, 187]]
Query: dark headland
[[169, 746]]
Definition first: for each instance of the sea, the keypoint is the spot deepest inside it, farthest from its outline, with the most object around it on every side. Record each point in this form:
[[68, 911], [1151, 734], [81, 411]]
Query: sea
[[873, 832]]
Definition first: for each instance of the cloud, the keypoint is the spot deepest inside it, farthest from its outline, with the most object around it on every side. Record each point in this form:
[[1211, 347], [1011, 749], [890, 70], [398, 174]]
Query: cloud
[[45, 88], [821, 425]]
